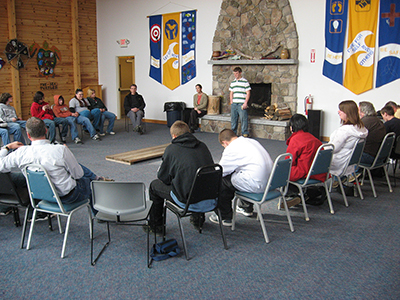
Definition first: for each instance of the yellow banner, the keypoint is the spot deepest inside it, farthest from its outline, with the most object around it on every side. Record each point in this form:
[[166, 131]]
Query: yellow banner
[[170, 57], [363, 18]]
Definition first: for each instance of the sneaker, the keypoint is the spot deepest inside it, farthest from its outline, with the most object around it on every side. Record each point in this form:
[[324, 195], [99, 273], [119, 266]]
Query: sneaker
[[96, 137], [41, 216], [352, 178], [101, 134], [102, 178], [140, 130], [244, 212], [197, 220], [77, 141], [63, 139], [111, 132], [6, 211], [291, 202], [57, 143], [245, 135], [152, 229], [214, 218], [136, 129]]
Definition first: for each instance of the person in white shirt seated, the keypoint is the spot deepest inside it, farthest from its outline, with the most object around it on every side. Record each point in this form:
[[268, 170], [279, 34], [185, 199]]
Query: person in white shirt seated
[[71, 180], [246, 167]]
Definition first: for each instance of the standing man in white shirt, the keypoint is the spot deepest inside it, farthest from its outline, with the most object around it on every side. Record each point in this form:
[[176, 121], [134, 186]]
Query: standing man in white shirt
[[71, 180], [246, 167], [239, 98]]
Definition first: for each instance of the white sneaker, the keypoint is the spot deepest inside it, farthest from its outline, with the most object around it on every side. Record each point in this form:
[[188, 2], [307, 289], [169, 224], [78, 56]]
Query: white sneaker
[[111, 132], [96, 137], [101, 134], [78, 141], [244, 212], [214, 218]]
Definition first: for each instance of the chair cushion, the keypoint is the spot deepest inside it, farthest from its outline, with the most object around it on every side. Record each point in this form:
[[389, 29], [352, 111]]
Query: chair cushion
[[202, 206], [53, 207], [257, 197], [310, 181]]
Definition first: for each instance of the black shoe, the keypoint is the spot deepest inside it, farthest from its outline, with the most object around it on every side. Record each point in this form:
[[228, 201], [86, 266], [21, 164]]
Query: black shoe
[[197, 220]]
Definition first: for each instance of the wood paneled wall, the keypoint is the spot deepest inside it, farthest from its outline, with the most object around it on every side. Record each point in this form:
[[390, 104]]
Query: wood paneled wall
[[51, 21]]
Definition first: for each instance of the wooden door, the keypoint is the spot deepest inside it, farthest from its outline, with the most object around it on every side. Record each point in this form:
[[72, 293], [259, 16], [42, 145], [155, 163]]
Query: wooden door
[[126, 66]]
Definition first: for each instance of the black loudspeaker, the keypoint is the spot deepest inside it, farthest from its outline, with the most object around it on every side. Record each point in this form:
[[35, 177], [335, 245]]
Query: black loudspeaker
[[314, 122]]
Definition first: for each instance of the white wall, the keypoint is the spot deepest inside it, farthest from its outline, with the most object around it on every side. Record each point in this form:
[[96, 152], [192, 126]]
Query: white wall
[[128, 19]]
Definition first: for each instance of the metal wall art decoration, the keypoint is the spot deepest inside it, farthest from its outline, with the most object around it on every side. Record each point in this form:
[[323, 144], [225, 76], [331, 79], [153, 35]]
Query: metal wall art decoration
[[17, 54], [46, 58]]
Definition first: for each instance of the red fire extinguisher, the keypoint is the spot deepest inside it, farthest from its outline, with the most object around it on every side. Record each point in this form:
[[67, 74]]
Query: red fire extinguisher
[[308, 100]]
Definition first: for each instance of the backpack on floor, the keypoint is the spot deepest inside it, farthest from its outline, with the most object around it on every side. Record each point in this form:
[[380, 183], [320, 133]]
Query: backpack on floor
[[164, 250]]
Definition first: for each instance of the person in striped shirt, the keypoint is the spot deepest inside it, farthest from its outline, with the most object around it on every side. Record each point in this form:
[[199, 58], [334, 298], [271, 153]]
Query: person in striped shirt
[[239, 98]]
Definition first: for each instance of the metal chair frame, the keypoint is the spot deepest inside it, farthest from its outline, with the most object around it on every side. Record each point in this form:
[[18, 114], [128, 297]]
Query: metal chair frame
[[321, 164], [276, 188]]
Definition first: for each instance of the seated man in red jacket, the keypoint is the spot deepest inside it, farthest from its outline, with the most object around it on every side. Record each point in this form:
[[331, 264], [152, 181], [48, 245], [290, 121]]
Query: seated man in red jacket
[[43, 111], [303, 146]]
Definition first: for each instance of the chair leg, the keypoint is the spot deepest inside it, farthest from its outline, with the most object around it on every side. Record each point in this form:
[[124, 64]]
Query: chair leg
[[17, 221], [303, 201], [358, 187], [264, 230], [222, 230], [93, 262], [183, 238], [28, 209], [343, 192], [235, 201], [282, 199], [66, 235], [59, 224], [90, 221], [372, 182], [28, 246], [328, 195], [148, 247], [387, 179]]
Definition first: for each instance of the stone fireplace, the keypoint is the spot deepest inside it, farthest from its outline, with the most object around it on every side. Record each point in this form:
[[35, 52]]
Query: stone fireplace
[[253, 29]]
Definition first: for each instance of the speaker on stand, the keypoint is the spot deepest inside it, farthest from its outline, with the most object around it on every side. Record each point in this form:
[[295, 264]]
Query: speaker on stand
[[314, 122]]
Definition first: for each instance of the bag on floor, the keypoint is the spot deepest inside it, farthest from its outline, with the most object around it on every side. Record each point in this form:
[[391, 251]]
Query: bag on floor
[[164, 250]]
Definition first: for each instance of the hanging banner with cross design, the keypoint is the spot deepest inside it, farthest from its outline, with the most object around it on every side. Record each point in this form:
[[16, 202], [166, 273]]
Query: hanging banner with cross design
[[357, 60], [172, 48], [389, 43]]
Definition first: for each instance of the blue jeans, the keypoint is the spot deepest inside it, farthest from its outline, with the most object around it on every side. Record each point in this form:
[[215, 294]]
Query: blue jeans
[[4, 136], [111, 119], [52, 127], [367, 158], [238, 112], [81, 119], [97, 119], [82, 190], [15, 129], [72, 126]]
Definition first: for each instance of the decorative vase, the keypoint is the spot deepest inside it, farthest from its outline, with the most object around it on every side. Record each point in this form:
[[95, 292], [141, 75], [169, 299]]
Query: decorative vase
[[284, 53]]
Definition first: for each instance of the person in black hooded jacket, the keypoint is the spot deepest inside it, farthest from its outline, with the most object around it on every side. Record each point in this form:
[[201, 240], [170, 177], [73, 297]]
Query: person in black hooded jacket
[[179, 164]]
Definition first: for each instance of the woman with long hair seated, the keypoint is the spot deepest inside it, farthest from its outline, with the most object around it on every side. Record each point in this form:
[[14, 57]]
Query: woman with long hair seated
[[345, 137], [200, 101]]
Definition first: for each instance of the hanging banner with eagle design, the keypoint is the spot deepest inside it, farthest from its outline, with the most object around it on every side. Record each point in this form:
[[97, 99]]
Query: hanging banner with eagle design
[[172, 48]]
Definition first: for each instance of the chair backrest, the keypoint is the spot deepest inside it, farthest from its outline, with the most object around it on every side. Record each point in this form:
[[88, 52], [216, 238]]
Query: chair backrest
[[118, 198], [40, 186], [383, 154], [322, 161], [396, 148], [9, 193], [280, 174], [206, 184], [355, 156]]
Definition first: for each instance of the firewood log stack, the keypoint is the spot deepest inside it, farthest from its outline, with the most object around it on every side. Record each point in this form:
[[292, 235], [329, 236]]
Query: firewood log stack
[[276, 113]]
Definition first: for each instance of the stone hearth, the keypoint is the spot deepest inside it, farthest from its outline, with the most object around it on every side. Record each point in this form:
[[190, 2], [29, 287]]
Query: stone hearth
[[259, 127]]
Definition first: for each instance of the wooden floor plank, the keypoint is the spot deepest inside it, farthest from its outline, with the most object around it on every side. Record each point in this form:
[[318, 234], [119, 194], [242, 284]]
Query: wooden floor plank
[[130, 157]]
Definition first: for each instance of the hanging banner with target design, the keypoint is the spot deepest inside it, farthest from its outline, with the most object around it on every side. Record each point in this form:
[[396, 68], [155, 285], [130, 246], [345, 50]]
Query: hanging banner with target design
[[172, 48], [155, 47]]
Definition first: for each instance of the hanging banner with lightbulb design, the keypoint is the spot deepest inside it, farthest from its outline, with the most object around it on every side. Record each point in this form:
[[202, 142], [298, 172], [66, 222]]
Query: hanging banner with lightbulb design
[[356, 60], [335, 33]]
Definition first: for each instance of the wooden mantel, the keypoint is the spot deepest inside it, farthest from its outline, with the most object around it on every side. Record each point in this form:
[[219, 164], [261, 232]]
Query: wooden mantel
[[254, 62]]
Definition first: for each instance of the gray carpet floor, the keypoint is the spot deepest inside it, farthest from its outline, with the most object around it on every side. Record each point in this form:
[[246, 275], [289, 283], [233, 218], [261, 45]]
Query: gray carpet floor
[[353, 254]]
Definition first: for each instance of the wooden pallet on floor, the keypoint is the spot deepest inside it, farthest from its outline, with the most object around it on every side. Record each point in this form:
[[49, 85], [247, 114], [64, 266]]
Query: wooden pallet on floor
[[130, 157]]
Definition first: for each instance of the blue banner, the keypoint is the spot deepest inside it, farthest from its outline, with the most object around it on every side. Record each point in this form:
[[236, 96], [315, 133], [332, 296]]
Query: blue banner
[[188, 71], [155, 47], [389, 42], [335, 33]]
